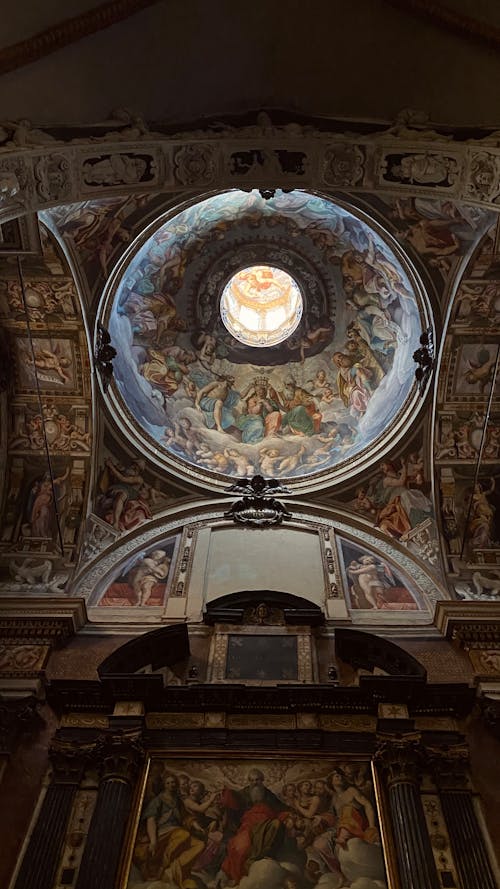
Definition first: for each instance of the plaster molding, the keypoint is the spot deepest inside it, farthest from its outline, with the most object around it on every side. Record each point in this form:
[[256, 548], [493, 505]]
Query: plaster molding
[[39, 170], [472, 624], [40, 620]]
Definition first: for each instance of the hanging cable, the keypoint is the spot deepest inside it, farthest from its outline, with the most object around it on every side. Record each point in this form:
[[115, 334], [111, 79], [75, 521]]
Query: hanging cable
[[40, 407], [481, 449]]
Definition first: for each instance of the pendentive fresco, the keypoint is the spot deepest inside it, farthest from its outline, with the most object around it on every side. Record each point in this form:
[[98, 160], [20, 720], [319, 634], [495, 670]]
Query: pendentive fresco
[[302, 409]]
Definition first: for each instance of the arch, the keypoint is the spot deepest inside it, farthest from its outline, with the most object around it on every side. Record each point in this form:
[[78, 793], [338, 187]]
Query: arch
[[366, 651], [231, 608], [160, 648], [48, 172]]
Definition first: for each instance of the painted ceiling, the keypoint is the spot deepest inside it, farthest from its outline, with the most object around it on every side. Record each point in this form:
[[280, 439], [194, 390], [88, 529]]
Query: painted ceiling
[[309, 410]]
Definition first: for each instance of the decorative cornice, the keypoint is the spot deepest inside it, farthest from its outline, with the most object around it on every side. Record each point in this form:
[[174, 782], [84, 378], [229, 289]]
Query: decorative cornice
[[43, 167], [68, 31], [42, 620], [472, 624], [73, 696]]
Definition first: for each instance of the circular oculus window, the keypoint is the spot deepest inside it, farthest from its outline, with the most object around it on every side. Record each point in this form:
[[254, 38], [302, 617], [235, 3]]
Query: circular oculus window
[[261, 305]]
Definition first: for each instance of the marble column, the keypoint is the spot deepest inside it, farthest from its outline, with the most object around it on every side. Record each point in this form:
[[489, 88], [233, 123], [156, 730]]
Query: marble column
[[41, 858], [120, 757], [399, 762], [471, 857]]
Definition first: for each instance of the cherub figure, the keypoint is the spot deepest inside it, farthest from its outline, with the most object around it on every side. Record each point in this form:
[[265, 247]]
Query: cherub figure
[[269, 459], [240, 462], [45, 359], [146, 573]]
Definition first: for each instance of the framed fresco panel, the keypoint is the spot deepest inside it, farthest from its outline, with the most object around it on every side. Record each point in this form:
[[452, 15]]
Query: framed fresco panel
[[142, 580], [373, 584], [256, 823]]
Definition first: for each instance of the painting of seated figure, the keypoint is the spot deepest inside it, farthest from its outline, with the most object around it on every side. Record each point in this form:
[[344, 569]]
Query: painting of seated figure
[[373, 583], [143, 580], [255, 823]]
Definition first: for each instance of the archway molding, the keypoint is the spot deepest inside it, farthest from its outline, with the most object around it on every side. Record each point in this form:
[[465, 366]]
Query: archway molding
[[39, 170]]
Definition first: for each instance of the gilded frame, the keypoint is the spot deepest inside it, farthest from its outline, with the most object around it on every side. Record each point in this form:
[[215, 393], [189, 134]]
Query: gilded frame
[[259, 759]]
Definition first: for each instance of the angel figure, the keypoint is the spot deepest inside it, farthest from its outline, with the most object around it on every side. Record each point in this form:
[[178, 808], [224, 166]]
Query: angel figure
[[481, 516], [44, 501], [52, 361], [146, 573], [480, 372], [125, 497]]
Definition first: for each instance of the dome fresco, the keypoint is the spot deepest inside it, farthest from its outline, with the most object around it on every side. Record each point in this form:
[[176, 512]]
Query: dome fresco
[[322, 402], [261, 306]]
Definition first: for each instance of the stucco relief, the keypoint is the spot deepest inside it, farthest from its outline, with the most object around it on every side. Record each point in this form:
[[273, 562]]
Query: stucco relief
[[413, 156], [117, 170]]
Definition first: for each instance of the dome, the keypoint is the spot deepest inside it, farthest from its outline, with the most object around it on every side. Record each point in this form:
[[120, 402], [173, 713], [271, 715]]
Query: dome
[[264, 336], [261, 305]]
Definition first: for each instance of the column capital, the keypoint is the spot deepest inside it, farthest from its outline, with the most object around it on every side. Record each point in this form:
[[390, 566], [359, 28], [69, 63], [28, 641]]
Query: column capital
[[120, 756], [450, 766], [68, 759], [400, 758]]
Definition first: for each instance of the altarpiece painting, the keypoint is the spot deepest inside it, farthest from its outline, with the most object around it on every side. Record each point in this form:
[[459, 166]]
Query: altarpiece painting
[[257, 824]]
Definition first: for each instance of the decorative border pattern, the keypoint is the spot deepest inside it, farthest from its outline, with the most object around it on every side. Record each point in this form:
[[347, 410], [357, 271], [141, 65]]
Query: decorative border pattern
[[38, 170]]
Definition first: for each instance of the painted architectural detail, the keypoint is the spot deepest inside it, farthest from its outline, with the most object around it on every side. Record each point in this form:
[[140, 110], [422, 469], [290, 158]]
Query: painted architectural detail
[[48, 435], [467, 431]]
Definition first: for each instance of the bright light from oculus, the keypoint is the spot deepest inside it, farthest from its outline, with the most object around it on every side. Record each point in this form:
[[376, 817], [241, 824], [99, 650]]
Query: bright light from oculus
[[261, 305]]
